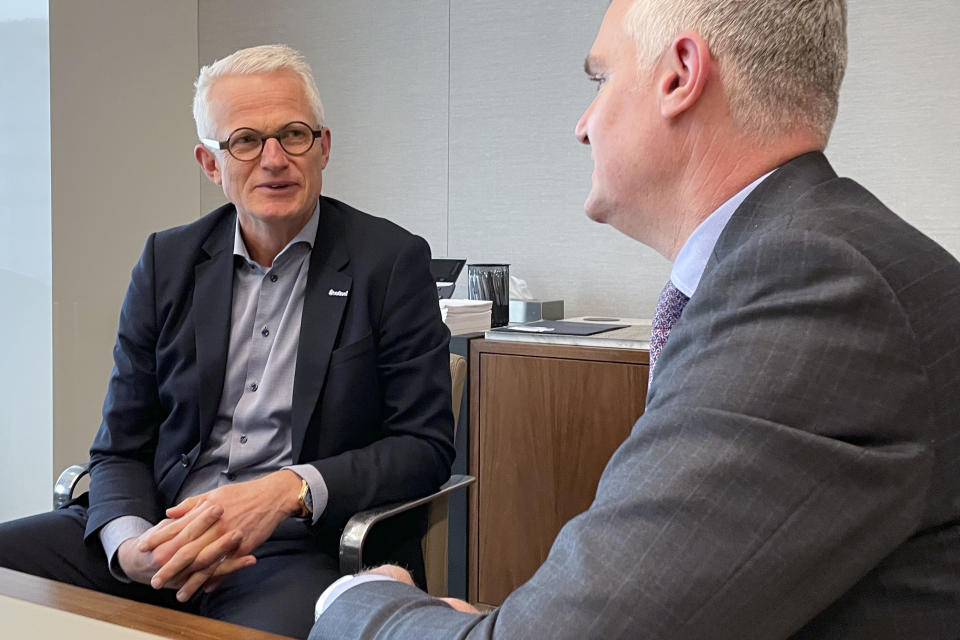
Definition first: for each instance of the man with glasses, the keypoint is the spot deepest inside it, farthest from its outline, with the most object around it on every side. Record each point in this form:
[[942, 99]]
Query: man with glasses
[[280, 365]]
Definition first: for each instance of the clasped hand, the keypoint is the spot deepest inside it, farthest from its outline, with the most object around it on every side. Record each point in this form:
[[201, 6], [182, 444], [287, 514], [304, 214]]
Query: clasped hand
[[211, 535]]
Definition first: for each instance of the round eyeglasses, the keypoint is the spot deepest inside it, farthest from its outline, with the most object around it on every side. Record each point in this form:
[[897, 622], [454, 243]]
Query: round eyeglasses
[[246, 144]]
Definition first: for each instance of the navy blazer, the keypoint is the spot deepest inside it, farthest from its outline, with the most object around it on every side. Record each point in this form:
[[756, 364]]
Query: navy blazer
[[371, 399]]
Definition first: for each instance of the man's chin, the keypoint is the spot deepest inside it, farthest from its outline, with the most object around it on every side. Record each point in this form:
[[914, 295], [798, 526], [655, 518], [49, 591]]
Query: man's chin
[[280, 215], [596, 209]]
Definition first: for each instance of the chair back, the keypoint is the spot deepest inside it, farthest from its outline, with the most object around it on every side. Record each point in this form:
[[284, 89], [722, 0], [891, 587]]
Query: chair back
[[458, 375], [435, 541]]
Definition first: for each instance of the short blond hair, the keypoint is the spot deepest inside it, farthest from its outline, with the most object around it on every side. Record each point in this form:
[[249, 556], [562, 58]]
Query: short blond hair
[[781, 61], [263, 59]]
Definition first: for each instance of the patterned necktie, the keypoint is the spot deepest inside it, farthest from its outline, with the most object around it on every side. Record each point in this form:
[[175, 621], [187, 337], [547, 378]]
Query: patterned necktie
[[669, 307]]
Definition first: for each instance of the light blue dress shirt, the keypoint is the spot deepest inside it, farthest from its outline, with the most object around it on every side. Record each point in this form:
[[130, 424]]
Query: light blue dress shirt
[[692, 258]]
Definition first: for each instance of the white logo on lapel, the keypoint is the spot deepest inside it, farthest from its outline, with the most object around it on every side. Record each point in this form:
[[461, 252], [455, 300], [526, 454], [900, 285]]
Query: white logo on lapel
[[334, 292]]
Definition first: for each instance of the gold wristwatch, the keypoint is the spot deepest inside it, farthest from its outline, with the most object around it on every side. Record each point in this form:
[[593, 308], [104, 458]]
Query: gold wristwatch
[[305, 500]]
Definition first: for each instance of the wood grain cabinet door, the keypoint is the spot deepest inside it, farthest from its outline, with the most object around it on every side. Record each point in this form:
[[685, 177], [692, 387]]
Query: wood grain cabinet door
[[545, 421]]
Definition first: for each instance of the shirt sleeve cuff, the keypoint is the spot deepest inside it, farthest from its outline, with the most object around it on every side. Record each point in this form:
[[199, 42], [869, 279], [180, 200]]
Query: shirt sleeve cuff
[[318, 488], [337, 589], [115, 533]]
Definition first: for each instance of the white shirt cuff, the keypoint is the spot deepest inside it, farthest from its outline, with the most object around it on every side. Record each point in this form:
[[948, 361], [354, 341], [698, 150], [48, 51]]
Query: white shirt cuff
[[337, 589]]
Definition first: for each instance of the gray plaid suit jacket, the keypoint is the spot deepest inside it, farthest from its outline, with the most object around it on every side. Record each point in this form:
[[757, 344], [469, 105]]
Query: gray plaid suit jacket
[[797, 470]]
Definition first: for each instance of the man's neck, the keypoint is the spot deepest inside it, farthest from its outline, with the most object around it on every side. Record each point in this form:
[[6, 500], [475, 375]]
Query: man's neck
[[721, 171], [264, 241]]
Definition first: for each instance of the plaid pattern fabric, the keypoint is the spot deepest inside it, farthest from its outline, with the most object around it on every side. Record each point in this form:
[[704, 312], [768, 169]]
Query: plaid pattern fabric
[[669, 308]]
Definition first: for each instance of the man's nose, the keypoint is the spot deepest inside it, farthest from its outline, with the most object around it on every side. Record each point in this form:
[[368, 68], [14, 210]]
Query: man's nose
[[273, 155], [581, 129]]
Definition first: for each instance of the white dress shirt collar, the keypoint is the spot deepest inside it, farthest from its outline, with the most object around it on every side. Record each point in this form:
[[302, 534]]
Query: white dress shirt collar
[[692, 258]]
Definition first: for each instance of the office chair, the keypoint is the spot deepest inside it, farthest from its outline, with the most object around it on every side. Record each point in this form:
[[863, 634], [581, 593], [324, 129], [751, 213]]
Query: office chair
[[358, 528]]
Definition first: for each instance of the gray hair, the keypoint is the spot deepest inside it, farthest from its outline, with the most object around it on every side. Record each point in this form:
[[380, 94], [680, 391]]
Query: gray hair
[[781, 61], [262, 59]]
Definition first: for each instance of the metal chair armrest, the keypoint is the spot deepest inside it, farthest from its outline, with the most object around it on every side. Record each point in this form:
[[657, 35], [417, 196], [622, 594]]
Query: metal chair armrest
[[359, 526], [66, 483]]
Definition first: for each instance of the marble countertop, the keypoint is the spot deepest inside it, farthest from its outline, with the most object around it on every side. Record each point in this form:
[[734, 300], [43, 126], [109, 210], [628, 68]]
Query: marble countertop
[[634, 336]]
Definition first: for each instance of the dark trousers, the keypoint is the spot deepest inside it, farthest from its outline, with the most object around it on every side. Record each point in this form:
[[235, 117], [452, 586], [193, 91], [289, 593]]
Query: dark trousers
[[277, 594]]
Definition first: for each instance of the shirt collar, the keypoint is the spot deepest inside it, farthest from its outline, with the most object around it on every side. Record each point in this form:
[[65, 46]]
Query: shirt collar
[[308, 234], [692, 259]]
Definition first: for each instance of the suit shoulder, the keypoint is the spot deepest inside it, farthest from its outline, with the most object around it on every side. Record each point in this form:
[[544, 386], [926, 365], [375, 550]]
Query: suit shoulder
[[837, 233], [367, 233], [838, 211], [193, 234], [845, 210]]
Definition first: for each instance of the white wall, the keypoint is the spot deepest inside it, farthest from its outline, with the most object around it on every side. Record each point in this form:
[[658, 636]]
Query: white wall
[[121, 74], [898, 132], [26, 425]]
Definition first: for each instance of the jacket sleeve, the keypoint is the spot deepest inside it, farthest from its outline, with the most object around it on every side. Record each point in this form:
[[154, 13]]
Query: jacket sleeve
[[122, 454], [414, 453], [785, 452]]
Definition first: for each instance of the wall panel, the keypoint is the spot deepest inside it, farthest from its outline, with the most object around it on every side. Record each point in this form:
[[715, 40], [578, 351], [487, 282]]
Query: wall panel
[[456, 119], [898, 132], [382, 72], [518, 176], [122, 167]]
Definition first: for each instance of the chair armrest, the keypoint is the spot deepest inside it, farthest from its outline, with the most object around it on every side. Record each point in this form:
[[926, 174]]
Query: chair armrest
[[66, 483], [359, 526]]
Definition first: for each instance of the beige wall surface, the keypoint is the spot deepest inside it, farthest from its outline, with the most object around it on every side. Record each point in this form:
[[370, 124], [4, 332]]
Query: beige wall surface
[[121, 74], [453, 118]]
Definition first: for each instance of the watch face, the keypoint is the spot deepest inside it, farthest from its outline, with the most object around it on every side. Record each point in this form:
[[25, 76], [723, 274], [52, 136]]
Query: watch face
[[305, 500]]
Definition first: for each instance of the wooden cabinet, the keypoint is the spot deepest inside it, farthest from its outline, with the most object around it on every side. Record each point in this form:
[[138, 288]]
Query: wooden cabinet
[[544, 420]]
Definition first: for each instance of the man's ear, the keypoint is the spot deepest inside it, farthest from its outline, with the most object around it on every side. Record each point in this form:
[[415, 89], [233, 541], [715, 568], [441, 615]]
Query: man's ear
[[325, 147], [208, 162], [684, 70]]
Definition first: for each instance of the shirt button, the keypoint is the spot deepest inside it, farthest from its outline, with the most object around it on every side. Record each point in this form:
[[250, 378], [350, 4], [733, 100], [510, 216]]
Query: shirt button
[[265, 332], [243, 439], [274, 278], [253, 387], [231, 476], [184, 460]]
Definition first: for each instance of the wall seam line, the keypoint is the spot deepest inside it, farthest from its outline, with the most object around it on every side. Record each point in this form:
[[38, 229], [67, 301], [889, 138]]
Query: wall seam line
[[449, 82]]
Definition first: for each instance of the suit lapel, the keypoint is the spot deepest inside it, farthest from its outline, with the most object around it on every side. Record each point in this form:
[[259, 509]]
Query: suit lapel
[[320, 322], [212, 299]]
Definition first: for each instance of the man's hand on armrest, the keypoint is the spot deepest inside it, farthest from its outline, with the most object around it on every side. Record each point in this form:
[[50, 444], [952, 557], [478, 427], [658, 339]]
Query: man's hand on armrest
[[460, 605], [402, 575], [383, 572], [391, 571]]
